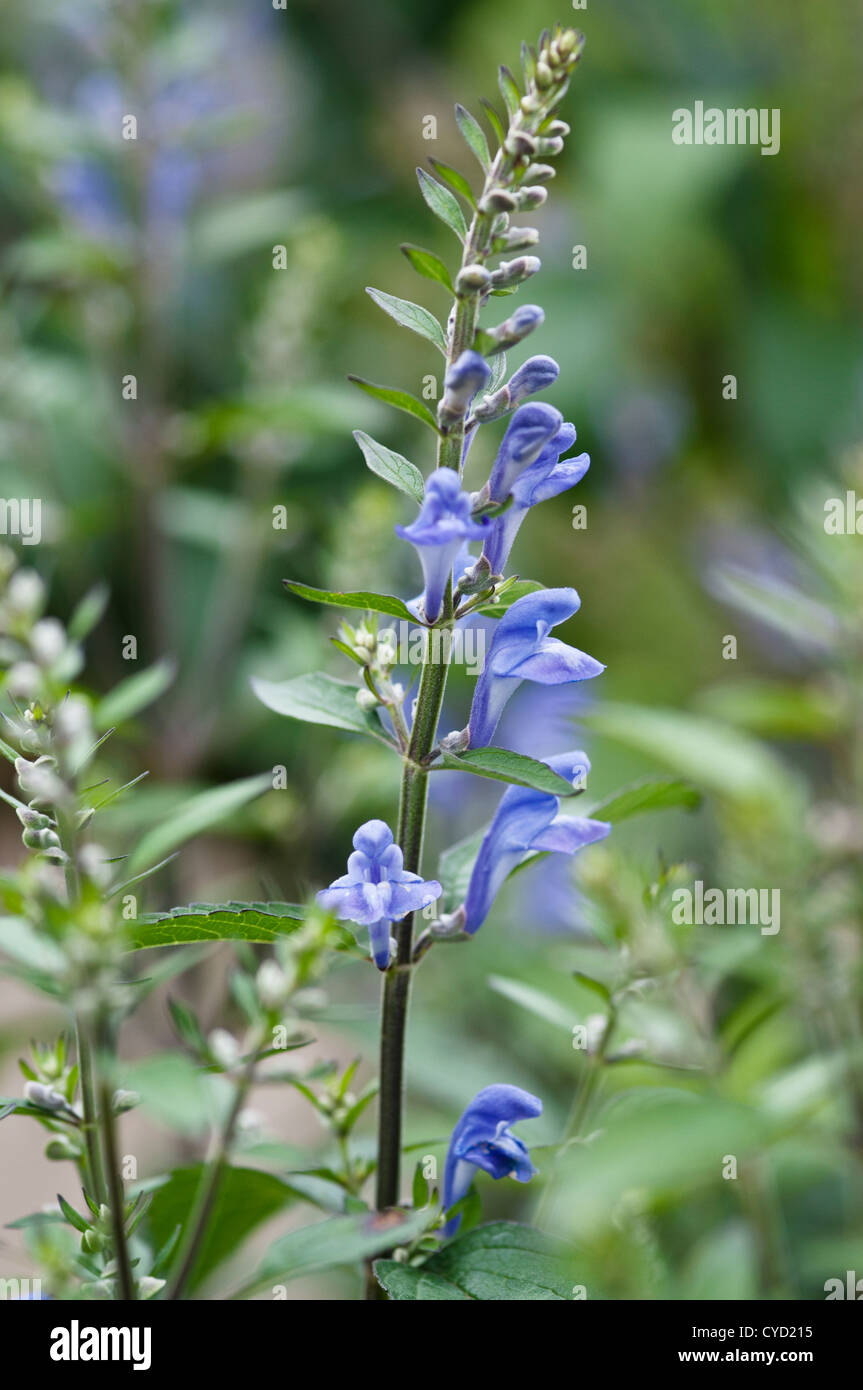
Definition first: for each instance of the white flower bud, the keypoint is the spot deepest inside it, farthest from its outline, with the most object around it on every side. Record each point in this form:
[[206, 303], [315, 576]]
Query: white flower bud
[[366, 700], [24, 680], [48, 641], [224, 1048], [25, 592], [44, 1096], [272, 985]]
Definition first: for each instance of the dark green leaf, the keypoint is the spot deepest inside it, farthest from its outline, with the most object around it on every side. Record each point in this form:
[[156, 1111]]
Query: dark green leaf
[[402, 400], [495, 1263], [375, 603], [457, 182], [502, 765], [443, 203], [429, 265], [646, 796], [320, 699], [390, 466], [410, 315], [72, 1216], [344, 1240], [211, 922], [473, 136]]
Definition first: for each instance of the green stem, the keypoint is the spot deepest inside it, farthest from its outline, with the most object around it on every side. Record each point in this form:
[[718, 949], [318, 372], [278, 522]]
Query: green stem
[[208, 1188], [117, 1201], [90, 1122]]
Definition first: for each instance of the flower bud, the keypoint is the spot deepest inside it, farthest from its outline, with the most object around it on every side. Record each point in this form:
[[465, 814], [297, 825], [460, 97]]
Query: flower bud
[[24, 680], [44, 1096], [517, 239], [48, 641], [467, 375], [520, 142], [272, 985], [62, 1149], [366, 700], [125, 1100], [517, 326], [25, 593], [472, 279], [531, 197], [498, 200], [536, 374], [514, 272], [550, 144], [541, 173], [148, 1286], [224, 1048]]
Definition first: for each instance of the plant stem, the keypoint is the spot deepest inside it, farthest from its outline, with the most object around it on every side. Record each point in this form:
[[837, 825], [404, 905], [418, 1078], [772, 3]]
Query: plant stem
[[90, 1122], [208, 1188], [117, 1196]]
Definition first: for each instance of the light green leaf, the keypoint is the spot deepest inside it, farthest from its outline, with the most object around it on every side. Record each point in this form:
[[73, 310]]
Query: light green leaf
[[88, 612], [646, 796], [392, 467], [427, 264], [443, 203], [174, 1090], [21, 943], [376, 603], [344, 1240], [535, 1001], [509, 90], [494, 119], [410, 315], [195, 816], [502, 765], [473, 136], [402, 400], [320, 699], [133, 694], [800, 618], [199, 922], [500, 1262], [505, 600]]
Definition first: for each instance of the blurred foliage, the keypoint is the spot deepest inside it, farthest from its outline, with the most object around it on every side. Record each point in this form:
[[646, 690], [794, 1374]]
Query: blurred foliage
[[300, 128]]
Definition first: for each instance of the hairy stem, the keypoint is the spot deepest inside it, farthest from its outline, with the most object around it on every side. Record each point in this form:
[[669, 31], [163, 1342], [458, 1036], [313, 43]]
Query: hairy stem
[[90, 1122], [117, 1196]]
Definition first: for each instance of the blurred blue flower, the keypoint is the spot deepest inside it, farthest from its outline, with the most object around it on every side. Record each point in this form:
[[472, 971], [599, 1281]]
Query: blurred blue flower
[[440, 532], [377, 890], [545, 478], [526, 822], [528, 432], [521, 649], [482, 1139]]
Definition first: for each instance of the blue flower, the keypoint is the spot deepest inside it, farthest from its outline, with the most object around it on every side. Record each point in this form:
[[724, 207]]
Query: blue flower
[[521, 649], [534, 375], [467, 375], [545, 478], [377, 889], [443, 526], [528, 432], [482, 1139], [526, 822]]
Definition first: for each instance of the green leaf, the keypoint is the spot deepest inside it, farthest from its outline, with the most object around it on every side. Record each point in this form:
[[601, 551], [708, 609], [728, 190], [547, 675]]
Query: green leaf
[[443, 203], [402, 400], [375, 603], [646, 796], [410, 315], [200, 922], [320, 699], [344, 1240], [473, 136], [494, 119], [509, 90], [778, 604], [500, 1262], [134, 694], [454, 869], [502, 765], [535, 1001], [392, 467], [246, 1197], [457, 182], [72, 1216], [88, 612], [195, 816], [175, 1091], [427, 264], [505, 600], [30, 948]]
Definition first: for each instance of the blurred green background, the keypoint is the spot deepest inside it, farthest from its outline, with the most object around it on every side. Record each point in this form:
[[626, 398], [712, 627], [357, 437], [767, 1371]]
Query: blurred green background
[[302, 128]]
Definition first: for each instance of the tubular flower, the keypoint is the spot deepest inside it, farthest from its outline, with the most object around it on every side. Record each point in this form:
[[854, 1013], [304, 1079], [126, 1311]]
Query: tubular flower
[[440, 531], [528, 432], [377, 890], [526, 822], [545, 478], [483, 1139], [521, 649]]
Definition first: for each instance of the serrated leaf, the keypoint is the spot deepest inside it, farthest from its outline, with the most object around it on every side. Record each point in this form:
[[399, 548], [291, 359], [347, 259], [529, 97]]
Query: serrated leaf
[[494, 119], [134, 694], [509, 90], [473, 136], [402, 400], [426, 263], [498, 1262], [392, 467], [196, 815], [320, 699], [410, 315], [647, 796], [443, 203], [206, 922], [364, 599], [502, 765], [457, 182]]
